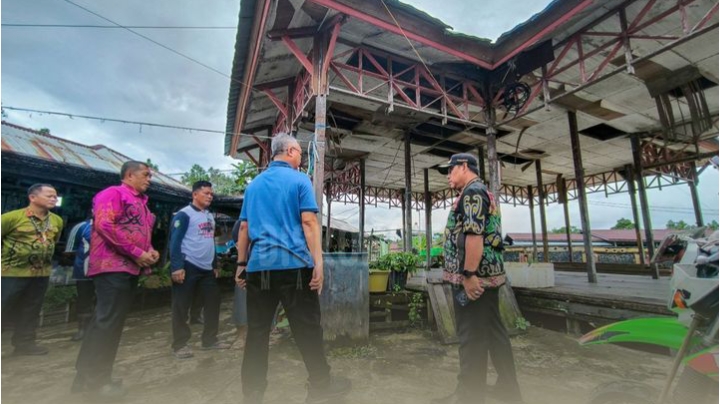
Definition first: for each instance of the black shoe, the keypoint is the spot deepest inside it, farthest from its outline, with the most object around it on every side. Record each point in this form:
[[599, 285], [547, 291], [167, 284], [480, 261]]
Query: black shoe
[[330, 389], [81, 385], [33, 349]]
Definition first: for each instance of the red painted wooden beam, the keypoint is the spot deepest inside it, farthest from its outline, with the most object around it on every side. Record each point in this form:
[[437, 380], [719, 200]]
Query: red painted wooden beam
[[299, 55], [332, 4]]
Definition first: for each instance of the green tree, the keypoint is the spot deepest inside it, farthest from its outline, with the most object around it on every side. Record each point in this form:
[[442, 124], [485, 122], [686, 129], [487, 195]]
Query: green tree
[[561, 230], [154, 167], [233, 183], [623, 223], [680, 225], [713, 225]]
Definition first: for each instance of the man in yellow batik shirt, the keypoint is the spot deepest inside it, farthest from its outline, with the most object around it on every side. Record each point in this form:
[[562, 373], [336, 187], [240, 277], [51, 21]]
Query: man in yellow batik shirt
[[29, 236]]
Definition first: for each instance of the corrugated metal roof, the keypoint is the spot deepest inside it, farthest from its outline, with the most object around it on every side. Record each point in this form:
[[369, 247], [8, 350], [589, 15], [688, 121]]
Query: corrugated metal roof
[[33, 143]]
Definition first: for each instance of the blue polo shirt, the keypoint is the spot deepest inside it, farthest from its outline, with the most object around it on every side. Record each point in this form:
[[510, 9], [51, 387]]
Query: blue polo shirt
[[272, 208]]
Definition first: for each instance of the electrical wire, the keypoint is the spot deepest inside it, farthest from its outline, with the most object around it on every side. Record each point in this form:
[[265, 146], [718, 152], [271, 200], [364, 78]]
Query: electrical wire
[[14, 25], [191, 59], [129, 122]]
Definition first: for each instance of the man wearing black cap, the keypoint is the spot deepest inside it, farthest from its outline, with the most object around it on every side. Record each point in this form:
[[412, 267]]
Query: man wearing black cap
[[474, 265]]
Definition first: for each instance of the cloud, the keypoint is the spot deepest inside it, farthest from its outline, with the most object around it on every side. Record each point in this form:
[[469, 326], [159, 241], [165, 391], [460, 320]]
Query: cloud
[[113, 73]]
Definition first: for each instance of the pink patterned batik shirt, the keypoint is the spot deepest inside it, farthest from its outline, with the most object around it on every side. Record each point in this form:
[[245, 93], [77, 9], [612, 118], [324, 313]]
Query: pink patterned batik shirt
[[121, 232]]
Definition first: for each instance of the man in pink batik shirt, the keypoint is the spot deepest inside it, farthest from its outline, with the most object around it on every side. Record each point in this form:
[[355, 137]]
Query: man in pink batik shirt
[[119, 249]]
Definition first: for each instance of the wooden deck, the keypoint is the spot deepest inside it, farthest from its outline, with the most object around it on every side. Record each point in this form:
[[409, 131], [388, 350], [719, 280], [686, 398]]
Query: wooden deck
[[612, 298]]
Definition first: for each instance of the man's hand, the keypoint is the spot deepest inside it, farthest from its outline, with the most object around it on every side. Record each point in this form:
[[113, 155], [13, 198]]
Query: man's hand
[[216, 272], [473, 288], [155, 255], [145, 260], [178, 276], [239, 275], [316, 283]]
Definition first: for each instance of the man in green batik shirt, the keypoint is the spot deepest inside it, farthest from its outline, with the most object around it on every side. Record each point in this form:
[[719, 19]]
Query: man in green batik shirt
[[474, 266], [29, 236]]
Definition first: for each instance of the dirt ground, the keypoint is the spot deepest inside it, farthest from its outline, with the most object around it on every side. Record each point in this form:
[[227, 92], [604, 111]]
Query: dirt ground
[[395, 367]]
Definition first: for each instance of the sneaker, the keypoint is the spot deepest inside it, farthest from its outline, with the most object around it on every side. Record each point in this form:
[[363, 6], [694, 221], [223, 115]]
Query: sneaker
[[33, 349], [183, 353], [217, 345], [328, 391]]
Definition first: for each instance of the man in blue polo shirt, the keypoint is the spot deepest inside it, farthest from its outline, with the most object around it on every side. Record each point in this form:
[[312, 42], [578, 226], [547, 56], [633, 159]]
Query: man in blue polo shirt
[[280, 260]]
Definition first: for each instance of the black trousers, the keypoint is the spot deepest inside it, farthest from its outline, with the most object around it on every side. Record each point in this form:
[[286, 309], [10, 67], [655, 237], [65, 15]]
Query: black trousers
[[481, 332], [197, 282], [302, 305], [115, 293], [85, 298], [22, 299]]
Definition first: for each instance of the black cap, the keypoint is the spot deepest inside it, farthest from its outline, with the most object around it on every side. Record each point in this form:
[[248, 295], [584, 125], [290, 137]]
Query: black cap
[[459, 159]]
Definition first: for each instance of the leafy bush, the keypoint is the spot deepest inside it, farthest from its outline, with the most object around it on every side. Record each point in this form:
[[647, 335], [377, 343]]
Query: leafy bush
[[399, 262]]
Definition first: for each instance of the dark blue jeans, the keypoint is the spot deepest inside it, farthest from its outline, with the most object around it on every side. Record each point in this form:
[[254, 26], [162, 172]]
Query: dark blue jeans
[[115, 293], [22, 299], [197, 282]]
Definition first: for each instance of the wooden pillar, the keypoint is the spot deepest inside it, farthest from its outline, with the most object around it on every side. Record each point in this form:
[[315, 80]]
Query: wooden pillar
[[693, 183], [403, 207], [481, 163], [543, 218], [328, 232], [582, 196], [531, 200], [563, 197], [408, 194], [629, 178], [320, 87], [428, 218], [362, 205], [644, 205]]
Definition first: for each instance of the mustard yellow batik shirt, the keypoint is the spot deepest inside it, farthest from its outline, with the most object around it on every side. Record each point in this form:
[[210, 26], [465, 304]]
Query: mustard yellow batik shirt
[[28, 243]]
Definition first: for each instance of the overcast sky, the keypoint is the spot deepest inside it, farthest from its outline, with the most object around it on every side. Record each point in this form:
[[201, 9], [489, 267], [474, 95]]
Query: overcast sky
[[113, 73]]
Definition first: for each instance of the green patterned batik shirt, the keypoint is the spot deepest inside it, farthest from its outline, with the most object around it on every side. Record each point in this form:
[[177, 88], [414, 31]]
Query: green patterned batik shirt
[[28, 243], [474, 212]]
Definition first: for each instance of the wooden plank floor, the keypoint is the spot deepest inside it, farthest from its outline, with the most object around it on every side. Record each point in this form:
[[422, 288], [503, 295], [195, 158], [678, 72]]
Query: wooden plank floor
[[633, 288], [613, 297]]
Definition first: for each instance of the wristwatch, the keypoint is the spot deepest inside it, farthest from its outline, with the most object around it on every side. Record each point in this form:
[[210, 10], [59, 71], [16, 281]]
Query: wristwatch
[[242, 263], [468, 274]]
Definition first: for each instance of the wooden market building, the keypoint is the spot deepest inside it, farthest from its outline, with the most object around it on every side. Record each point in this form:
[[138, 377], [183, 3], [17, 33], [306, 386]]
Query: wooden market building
[[615, 96]]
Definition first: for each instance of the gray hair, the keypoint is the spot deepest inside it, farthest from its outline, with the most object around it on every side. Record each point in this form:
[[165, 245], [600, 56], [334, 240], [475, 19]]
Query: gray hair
[[281, 142]]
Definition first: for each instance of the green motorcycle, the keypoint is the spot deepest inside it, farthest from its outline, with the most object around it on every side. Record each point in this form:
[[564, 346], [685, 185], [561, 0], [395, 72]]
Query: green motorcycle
[[693, 335]]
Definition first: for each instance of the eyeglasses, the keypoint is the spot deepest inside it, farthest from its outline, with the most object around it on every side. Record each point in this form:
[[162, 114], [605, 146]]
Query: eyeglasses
[[299, 150]]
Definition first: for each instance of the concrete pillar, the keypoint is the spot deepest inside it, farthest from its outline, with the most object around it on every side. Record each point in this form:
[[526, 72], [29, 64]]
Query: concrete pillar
[[566, 212], [321, 92], [481, 164]]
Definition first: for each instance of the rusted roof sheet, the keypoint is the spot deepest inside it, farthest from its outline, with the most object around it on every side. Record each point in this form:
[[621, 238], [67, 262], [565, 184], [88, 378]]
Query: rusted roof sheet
[[607, 235], [33, 143]]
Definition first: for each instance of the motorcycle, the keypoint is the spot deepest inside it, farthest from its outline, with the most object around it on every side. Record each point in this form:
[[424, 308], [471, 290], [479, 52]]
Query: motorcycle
[[693, 334]]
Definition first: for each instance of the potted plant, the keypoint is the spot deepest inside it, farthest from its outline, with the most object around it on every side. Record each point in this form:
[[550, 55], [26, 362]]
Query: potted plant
[[378, 278], [399, 264]]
